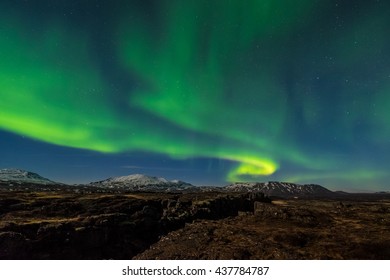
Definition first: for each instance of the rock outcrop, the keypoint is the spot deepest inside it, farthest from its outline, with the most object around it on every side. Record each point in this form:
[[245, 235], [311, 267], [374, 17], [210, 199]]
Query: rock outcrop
[[109, 226]]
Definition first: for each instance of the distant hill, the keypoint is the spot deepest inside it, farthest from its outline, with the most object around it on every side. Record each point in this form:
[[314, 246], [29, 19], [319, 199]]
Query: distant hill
[[281, 189], [140, 182], [13, 176]]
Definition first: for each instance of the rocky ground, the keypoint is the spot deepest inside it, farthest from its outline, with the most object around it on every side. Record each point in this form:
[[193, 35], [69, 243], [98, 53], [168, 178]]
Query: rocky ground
[[285, 230], [210, 225]]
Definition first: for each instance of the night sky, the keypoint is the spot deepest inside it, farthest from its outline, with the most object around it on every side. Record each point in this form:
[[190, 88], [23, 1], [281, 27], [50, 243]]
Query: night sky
[[206, 91]]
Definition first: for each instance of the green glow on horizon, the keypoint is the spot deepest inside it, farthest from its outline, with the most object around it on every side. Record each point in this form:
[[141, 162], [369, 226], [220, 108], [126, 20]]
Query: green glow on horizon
[[254, 168]]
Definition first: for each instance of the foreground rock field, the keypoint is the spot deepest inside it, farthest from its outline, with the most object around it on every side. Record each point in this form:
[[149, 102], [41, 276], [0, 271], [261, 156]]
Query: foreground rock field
[[208, 225]]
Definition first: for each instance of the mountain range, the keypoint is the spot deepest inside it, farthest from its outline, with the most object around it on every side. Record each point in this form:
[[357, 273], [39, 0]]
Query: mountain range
[[140, 182]]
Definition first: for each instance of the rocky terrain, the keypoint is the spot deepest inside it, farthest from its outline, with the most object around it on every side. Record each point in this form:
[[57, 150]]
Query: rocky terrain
[[66, 224], [285, 229]]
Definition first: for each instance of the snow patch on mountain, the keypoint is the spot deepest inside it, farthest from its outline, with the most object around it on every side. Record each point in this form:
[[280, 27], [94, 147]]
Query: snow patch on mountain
[[141, 182]]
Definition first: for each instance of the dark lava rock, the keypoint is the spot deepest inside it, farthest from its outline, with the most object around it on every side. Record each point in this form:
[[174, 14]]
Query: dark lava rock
[[12, 245], [202, 225]]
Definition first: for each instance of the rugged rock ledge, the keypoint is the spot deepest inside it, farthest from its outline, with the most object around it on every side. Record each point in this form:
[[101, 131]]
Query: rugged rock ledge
[[70, 226]]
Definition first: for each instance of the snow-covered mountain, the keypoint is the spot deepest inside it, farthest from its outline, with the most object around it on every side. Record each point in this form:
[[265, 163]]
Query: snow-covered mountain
[[18, 176], [140, 182], [281, 189]]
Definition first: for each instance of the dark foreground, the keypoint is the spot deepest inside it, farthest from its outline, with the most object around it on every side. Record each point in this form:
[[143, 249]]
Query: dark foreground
[[69, 225]]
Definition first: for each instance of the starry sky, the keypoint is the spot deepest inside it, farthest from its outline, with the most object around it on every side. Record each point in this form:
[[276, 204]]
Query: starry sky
[[206, 91]]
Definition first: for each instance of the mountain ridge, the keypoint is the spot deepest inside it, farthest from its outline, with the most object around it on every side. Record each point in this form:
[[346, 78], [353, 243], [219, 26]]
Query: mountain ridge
[[20, 176], [282, 189], [142, 182]]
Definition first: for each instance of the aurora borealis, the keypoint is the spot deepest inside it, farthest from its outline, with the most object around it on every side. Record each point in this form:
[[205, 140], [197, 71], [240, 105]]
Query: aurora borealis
[[226, 90]]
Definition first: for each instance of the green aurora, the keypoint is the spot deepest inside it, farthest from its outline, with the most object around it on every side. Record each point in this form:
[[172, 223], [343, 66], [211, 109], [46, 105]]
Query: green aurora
[[284, 91]]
